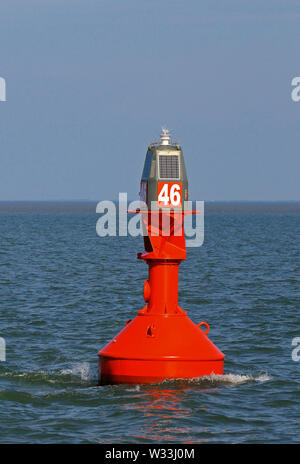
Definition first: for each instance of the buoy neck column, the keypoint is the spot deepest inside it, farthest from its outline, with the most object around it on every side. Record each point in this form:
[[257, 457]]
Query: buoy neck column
[[163, 282], [165, 253]]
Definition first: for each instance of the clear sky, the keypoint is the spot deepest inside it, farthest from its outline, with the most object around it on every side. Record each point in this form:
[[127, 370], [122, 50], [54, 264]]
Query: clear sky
[[91, 82]]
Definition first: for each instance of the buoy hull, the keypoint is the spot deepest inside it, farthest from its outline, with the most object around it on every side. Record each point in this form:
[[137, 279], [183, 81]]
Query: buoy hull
[[153, 371], [151, 349]]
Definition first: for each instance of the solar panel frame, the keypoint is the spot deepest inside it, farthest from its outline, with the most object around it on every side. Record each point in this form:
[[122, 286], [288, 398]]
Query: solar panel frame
[[169, 167]]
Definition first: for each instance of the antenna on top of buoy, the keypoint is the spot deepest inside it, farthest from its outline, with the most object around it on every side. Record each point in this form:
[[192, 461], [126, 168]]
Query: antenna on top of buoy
[[165, 136]]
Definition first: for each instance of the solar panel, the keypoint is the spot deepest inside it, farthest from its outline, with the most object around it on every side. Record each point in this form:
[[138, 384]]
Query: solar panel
[[168, 167]]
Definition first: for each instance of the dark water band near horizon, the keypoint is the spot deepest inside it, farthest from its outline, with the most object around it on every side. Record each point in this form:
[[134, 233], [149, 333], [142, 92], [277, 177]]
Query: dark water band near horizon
[[65, 292], [89, 207]]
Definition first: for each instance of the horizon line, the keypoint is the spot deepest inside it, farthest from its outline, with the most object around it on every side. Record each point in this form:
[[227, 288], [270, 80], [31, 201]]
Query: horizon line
[[79, 200]]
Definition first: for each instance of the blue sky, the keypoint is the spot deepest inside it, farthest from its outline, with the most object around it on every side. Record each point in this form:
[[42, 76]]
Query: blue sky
[[90, 83]]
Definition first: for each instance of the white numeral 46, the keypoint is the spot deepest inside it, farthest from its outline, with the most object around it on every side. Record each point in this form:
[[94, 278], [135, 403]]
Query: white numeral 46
[[173, 199]]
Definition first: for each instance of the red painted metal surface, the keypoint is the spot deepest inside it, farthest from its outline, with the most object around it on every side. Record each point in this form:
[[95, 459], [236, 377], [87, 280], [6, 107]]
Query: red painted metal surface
[[161, 342]]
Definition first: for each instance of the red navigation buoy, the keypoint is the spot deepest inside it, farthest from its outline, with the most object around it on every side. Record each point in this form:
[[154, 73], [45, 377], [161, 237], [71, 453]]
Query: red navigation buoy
[[161, 342]]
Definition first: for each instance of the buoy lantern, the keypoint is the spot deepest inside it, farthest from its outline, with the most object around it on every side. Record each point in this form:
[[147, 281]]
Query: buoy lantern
[[161, 342]]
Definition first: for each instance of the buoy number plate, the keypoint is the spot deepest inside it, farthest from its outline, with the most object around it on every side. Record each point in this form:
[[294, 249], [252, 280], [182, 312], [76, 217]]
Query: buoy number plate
[[169, 194]]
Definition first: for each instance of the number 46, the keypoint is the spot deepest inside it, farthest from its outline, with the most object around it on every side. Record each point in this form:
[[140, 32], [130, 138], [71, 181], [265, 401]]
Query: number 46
[[169, 194]]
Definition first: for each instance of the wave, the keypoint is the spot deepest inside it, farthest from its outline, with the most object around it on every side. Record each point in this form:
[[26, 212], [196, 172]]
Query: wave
[[82, 370], [84, 373], [225, 379], [79, 372]]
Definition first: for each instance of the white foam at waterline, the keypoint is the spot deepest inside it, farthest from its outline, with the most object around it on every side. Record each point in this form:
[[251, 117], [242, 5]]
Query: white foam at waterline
[[137, 388], [236, 379], [81, 370], [225, 379]]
